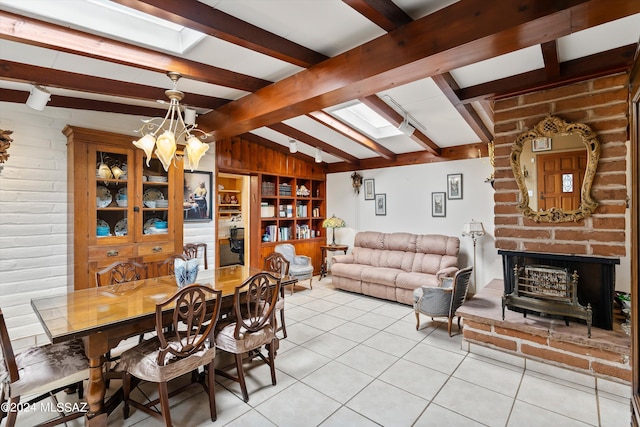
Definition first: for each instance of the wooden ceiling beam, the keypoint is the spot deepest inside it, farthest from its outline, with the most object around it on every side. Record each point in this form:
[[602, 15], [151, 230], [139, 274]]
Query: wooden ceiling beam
[[448, 86], [461, 34], [313, 142], [42, 34], [206, 19], [352, 134], [550, 57], [384, 13], [25, 73], [20, 97], [379, 106], [591, 66], [460, 152]]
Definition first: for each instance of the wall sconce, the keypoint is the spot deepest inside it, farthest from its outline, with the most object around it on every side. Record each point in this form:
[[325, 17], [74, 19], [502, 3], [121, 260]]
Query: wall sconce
[[38, 98], [293, 146], [318, 155]]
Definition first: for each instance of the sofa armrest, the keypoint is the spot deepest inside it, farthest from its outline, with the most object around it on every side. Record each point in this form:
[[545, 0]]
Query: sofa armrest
[[446, 272], [344, 259]]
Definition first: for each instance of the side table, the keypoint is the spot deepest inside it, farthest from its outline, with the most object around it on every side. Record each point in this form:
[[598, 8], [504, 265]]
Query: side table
[[323, 254]]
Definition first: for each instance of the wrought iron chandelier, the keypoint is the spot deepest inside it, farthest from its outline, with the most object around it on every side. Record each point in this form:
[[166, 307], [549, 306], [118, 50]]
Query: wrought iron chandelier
[[173, 128]]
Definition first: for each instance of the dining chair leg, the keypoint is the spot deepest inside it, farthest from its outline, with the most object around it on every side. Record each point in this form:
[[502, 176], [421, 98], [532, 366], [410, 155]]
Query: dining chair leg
[[126, 389], [211, 375], [243, 385], [272, 360], [417, 321], [164, 403], [284, 327], [12, 414]]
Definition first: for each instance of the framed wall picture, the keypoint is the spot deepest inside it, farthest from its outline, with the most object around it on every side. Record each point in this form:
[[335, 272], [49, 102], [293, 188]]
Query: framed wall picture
[[197, 196], [542, 143], [454, 186], [439, 204], [381, 204], [369, 189]]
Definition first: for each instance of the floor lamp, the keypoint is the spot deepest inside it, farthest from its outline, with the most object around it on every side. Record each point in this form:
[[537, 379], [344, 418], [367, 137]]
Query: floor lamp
[[474, 229]]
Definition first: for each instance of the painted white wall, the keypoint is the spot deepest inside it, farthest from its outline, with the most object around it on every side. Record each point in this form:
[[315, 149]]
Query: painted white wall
[[33, 210], [408, 192]]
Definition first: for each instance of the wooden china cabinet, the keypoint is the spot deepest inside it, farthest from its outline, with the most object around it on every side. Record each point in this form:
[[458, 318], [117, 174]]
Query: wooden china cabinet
[[119, 207]]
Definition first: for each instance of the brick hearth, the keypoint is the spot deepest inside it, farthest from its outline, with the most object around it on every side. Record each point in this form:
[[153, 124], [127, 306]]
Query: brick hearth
[[605, 354]]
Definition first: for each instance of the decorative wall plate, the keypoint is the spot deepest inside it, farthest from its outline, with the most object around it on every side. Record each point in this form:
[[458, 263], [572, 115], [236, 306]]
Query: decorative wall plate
[[121, 228], [103, 196], [153, 194]]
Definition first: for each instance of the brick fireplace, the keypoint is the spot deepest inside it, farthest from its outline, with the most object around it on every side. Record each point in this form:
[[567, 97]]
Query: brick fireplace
[[600, 103]]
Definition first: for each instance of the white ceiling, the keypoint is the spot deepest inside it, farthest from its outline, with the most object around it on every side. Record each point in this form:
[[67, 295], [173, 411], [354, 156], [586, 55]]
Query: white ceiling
[[330, 27]]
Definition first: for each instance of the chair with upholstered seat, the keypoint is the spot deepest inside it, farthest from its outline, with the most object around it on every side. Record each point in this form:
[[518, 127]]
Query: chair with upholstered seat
[[442, 301], [277, 263], [178, 350], [192, 250], [121, 272], [300, 266], [39, 372], [254, 304]]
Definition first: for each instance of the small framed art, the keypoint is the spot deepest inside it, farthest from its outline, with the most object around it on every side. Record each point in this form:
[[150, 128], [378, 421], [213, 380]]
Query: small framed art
[[541, 144], [197, 196], [439, 204], [381, 204], [454, 186], [369, 189]]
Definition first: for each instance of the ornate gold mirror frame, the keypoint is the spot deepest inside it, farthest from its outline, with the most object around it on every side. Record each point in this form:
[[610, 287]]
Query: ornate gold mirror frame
[[549, 128]]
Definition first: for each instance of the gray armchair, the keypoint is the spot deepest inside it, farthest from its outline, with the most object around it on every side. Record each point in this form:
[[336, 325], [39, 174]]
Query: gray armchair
[[300, 266], [442, 301]]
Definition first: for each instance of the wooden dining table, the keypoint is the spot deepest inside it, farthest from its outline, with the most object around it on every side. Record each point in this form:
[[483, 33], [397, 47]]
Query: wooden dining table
[[102, 317]]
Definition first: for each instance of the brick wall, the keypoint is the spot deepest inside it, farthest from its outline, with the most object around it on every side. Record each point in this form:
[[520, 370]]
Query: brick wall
[[602, 104]]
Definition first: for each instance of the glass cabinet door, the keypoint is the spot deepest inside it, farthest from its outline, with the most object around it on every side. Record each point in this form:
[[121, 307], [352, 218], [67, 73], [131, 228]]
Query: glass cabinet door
[[110, 187], [157, 199]]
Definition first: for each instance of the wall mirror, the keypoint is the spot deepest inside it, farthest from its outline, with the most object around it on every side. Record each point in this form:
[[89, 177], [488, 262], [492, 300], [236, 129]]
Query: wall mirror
[[554, 165]]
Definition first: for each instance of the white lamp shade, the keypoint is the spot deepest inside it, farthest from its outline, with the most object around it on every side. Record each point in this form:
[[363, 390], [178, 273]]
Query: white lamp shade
[[38, 98], [293, 146], [473, 228], [195, 149], [147, 144], [166, 148]]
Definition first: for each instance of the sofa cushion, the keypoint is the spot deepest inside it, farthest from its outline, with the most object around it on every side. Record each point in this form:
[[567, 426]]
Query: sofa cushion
[[351, 271], [414, 280], [380, 275], [404, 242]]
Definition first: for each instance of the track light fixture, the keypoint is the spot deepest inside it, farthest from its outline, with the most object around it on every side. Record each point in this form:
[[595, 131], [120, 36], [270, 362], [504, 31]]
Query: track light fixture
[[409, 123], [318, 155], [293, 146], [38, 97], [406, 127]]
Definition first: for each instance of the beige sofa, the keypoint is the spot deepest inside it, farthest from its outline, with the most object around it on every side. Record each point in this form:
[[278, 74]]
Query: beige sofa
[[392, 265]]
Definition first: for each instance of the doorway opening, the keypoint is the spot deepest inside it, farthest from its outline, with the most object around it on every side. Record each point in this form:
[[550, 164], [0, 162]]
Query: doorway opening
[[233, 219]]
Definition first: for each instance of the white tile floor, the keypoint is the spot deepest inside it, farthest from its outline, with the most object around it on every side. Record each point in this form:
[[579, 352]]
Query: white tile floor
[[352, 360]]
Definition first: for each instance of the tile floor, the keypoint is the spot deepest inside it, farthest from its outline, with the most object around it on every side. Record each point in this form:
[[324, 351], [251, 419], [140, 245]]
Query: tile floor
[[352, 360]]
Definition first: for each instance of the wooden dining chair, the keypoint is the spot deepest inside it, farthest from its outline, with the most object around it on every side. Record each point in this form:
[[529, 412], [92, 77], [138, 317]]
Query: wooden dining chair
[[192, 250], [117, 273], [39, 372], [254, 305], [276, 263], [177, 350], [121, 272], [167, 267]]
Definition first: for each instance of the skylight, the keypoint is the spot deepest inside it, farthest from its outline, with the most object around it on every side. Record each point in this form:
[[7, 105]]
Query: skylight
[[114, 20], [365, 119]]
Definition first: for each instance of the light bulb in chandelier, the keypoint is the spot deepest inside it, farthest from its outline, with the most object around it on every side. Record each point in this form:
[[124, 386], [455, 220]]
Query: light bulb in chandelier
[[173, 129]]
